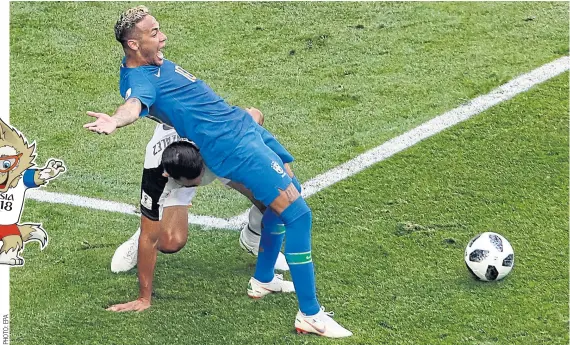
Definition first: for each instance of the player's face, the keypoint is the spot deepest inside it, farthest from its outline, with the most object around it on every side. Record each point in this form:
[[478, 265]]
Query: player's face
[[151, 41], [184, 182]]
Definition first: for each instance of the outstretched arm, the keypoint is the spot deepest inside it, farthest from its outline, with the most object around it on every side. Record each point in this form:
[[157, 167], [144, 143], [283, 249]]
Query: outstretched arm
[[125, 115], [147, 252]]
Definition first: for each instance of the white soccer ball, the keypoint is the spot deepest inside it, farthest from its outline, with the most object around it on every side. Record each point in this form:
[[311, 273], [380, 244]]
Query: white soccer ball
[[489, 256]]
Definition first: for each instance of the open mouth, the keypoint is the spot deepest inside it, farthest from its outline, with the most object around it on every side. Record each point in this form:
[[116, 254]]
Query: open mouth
[[3, 184], [160, 55]]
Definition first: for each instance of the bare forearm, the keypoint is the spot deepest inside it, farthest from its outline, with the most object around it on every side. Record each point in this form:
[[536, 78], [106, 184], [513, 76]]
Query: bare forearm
[[146, 263], [127, 113]]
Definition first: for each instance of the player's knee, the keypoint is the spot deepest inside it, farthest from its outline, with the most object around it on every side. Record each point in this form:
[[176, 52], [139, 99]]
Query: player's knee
[[171, 247], [171, 243], [297, 210], [297, 218]]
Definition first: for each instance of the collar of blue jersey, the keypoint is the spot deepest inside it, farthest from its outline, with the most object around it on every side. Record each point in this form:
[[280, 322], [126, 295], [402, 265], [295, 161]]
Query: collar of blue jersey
[[124, 61]]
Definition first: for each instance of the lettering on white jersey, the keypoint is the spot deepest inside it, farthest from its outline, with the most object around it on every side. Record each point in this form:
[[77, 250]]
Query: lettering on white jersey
[[6, 196], [162, 137], [12, 203], [163, 143]]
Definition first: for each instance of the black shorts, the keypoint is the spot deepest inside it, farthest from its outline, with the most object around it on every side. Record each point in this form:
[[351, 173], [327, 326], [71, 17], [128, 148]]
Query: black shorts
[[152, 186]]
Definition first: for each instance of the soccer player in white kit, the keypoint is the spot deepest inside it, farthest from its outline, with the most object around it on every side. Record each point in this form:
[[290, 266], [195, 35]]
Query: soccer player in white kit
[[156, 194], [164, 219]]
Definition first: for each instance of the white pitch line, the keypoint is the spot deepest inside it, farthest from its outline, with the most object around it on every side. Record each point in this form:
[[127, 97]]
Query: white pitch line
[[112, 206], [436, 125], [361, 162]]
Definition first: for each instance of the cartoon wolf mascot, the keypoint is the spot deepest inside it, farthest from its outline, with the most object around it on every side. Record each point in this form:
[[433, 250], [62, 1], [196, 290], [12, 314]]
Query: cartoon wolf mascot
[[18, 172]]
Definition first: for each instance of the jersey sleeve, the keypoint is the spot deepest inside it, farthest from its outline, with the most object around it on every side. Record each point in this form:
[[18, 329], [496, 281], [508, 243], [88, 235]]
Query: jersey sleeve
[[137, 85], [29, 178]]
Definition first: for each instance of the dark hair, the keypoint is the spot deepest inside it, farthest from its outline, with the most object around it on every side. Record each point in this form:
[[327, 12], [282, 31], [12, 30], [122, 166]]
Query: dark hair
[[182, 159]]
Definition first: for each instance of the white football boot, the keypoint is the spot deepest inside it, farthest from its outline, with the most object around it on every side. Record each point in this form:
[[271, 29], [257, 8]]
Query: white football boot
[[249, 241], [257, 289], [125, 257], [321, 324]]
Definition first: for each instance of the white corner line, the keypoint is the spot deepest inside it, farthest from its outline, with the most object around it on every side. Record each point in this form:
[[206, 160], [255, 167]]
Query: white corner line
[[391, 147]]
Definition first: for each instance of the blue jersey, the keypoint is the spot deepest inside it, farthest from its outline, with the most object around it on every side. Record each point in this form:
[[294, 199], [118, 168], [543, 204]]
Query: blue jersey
[[173, 96]]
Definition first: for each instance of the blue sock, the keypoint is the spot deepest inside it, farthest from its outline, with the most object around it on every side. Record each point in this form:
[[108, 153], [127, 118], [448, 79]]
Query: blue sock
[[297, 218], [297, 184], [270, 243]]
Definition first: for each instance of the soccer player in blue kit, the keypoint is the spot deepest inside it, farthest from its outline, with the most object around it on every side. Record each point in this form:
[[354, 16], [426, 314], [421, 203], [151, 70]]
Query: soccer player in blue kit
[[233, 146]]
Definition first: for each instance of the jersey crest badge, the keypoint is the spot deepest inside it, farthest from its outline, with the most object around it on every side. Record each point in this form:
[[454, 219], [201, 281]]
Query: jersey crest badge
[[277, 168]]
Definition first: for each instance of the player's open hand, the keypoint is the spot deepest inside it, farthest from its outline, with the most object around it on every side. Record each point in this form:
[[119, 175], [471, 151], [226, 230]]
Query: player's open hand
[[104, 124], [136, 305]]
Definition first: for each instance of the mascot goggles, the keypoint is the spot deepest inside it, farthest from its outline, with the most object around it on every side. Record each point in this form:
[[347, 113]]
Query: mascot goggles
[[8, 163]]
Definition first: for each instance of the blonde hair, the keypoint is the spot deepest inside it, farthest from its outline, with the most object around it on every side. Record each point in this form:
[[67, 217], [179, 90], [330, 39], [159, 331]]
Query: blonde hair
[[127, 21]]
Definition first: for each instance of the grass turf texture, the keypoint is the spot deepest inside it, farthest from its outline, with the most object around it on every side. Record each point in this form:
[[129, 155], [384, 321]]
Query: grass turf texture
[[388, 245], [334, 79], [388, 242]]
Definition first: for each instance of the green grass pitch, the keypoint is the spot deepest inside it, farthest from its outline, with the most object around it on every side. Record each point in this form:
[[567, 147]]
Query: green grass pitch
[[334, 80]]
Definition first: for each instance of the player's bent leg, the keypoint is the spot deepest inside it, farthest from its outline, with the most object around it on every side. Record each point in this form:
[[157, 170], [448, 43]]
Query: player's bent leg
[[173, 229], [173, 213]]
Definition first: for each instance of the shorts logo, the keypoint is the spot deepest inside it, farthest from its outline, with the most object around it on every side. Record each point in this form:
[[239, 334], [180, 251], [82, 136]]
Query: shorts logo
[[277, 168], [127, 94], [146, 201]]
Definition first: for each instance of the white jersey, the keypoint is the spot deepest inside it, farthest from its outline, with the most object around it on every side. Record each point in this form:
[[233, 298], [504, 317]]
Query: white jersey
[[12, 203], [162, 137], [172, 193]]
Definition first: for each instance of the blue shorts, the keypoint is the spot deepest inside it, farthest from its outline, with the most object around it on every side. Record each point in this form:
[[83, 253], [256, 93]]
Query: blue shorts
[[275, 145], [257, 166]]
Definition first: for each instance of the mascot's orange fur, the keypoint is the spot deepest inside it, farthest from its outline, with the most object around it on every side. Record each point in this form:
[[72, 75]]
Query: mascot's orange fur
[[18, 172]]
